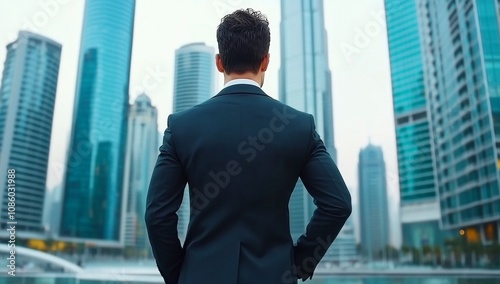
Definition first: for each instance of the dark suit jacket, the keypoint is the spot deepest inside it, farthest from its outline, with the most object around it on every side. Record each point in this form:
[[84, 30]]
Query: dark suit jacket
[[241, 153]]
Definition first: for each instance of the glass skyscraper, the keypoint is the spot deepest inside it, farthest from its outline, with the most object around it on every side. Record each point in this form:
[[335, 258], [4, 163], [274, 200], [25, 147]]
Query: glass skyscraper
[[305, 83], [27, 97], [194, 82], [374, 215], [419, 211], [141, 154], [93, 186], [461, 41]]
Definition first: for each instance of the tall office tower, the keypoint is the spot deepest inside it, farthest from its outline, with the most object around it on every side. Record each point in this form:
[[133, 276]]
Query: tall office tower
[[194, 77], [374, 215], [461, 41], [27, 97], [419, 211], [141, 154], [93, 186], [305, 84], [194, 81]]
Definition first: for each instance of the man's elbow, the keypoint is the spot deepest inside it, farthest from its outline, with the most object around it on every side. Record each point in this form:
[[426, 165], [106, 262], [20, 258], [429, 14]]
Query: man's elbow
[[347, 209], [338, 209], [346, 204], [343, 206]]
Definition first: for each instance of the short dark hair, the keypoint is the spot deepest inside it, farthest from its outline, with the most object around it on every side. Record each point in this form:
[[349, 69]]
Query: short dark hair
[[243, 38]]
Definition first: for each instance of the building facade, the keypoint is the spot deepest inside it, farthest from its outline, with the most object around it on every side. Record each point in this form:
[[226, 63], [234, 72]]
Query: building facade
[[93, 186], [461, 42], [374, 215], [27, 98], [194, 83], [305, 83], [419, 207], [141, 155]]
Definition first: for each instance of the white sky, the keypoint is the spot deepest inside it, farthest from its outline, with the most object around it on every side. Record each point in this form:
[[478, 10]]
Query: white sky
[[358, 59]]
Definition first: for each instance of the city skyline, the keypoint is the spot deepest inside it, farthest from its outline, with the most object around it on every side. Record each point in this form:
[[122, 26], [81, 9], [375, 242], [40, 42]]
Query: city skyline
[[405, 95], [151, 65]]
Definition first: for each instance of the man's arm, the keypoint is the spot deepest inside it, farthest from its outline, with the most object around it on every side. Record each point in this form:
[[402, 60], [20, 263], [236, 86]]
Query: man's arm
[[164, 199], [323, 181]]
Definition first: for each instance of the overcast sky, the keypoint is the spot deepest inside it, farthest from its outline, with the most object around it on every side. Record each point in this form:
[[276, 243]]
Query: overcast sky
[[358, 57]]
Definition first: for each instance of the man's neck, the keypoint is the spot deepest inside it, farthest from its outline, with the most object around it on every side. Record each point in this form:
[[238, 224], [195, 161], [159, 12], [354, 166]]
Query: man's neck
[[249, 76]]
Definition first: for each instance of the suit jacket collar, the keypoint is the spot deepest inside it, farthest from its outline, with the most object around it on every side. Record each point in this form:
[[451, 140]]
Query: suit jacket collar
[[241, 89]]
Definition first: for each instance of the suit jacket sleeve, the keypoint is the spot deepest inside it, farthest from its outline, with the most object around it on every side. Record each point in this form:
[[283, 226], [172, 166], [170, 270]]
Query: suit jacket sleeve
[[163, 201], [323, 181]]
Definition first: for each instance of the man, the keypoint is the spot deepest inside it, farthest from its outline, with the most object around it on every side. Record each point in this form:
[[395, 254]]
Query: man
[[242, 152]]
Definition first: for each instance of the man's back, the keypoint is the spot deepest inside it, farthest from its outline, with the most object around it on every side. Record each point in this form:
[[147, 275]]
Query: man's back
[[242, 152]]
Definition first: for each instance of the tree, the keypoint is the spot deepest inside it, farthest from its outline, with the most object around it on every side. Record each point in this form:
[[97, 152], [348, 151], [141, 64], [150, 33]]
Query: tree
[[391, 252], [406, 250], [436, 251]]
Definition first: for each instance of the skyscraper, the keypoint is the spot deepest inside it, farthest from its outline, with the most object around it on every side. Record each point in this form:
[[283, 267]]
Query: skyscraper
[[419, 206], [93, 186], [461, 42], [194, 81], [141, 154], [305, 84], [374, 215], [27, 97]]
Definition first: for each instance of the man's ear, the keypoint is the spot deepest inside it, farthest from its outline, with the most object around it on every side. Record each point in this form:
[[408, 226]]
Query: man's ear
[[218, 63], [265, 63]]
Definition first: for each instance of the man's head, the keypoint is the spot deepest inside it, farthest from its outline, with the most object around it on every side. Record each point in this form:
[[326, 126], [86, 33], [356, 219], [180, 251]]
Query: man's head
[[243, 38]]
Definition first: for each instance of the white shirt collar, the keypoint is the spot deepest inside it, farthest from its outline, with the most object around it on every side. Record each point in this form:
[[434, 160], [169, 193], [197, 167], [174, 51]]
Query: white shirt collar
[[241, 81]]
